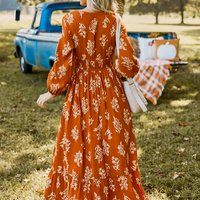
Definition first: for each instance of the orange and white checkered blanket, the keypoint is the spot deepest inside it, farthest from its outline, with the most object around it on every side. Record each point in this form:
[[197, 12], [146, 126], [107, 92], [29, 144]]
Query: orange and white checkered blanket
[[152, 78]]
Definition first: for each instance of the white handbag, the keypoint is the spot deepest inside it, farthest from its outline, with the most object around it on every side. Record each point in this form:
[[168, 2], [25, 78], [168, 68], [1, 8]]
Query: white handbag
[[136, 100]]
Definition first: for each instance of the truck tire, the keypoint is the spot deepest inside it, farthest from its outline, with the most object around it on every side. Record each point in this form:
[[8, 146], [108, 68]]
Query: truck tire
[[24, 66]]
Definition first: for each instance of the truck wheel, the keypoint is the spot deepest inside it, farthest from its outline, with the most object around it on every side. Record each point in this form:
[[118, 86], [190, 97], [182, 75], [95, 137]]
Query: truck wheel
[[24, 66]]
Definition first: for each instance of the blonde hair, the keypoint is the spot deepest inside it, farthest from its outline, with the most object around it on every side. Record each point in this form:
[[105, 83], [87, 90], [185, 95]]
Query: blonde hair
[[102, 5]]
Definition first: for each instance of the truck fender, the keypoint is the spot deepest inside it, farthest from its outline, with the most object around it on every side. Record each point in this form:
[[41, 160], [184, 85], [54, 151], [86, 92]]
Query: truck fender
[[19, 46]]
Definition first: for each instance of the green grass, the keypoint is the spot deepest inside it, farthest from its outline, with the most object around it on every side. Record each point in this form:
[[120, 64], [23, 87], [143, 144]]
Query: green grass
[[27, 132]]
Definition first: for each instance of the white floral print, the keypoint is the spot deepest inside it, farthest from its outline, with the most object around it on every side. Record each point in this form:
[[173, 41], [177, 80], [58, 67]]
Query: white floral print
[[115, 162], [117, 125], [98, 153], [121, 149], [127, 62], [75, 133], [93, 26], [70, 18], [90, 47], [76, 110], [78, 158], [86, 180], [62, 71], [82, 31], [132, 147], [85, 105], [115, 104], [103, 39], [67, 48], [75, 38], [105, 22]]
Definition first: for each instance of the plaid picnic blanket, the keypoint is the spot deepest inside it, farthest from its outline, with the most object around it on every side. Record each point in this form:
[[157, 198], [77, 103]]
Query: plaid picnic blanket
[[152, 78]]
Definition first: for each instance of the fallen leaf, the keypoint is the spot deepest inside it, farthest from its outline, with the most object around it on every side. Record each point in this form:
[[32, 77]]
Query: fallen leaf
[[26, 180], [184, 163], [0, 169], [22, 187], [40, 191], [35, 187], [32, 130], [156, 192], [186, 138], [3, 83], [18, 176], [182, 124], [149, 186], [159, 119], [15, 106], [194, 156], [1, 153], [176, 134], [151, 113], [162, 173], [177, 174], [182, 149], [141, 123], [177, 196]]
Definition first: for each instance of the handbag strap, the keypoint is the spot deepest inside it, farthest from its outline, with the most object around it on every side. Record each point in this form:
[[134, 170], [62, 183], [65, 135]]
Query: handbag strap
[[138, 99], [118, 29]]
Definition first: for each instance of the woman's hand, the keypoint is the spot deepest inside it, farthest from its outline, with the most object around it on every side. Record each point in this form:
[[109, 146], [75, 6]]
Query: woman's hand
[[43, 98]]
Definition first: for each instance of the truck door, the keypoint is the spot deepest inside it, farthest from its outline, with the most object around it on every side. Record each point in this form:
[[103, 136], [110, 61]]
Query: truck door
[[31, 40]]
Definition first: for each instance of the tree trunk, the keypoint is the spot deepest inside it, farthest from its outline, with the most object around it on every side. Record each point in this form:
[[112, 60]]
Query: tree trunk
[[156, 10], [182, 11], [156, 15]]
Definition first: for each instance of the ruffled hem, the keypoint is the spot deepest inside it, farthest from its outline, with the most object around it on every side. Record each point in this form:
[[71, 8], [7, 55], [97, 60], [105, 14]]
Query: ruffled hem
[[125, 187]]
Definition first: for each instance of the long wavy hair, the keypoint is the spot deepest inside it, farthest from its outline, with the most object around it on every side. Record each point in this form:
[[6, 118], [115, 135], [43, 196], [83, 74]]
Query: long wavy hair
[[102, 5]]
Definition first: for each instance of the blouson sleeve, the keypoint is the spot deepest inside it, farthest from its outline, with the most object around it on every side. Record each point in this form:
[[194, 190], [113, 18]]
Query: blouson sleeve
[[127, 65], [63, 70]]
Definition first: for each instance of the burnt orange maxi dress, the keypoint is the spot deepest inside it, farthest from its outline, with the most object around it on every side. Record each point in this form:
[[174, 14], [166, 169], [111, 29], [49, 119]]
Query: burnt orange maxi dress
[[95, 155]]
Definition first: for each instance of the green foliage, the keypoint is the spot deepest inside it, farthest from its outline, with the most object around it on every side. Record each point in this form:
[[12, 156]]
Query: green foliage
[[158, 6], [31, 2]]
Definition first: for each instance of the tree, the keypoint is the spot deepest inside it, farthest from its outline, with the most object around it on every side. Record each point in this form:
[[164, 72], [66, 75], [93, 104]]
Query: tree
[[182, 5], [159, 6], [149, 6], [30, 2]]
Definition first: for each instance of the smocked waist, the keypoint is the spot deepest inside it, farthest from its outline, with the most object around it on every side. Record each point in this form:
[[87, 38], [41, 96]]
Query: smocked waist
[[93, 64]]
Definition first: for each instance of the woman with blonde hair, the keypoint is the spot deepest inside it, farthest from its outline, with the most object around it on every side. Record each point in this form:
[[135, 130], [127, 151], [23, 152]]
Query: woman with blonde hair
[[95, 155]]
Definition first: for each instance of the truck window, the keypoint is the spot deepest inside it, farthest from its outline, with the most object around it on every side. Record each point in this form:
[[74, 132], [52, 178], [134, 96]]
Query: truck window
[[37, 19], [57, 15]]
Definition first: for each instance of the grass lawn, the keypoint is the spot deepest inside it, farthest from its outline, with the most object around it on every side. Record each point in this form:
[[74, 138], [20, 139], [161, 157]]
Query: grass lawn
[[168, 152]]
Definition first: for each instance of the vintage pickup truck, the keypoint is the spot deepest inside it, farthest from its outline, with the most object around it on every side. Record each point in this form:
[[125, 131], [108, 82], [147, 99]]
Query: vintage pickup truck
[[36, 46]]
